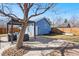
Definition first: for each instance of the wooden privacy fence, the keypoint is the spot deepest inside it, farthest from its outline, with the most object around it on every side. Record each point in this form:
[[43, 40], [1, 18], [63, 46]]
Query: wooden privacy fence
[[4, 30], [75, 31]]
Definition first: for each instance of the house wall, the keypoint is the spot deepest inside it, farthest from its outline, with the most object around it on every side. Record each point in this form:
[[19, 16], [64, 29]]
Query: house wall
[[30, 30], [75, 31], [43, 27]]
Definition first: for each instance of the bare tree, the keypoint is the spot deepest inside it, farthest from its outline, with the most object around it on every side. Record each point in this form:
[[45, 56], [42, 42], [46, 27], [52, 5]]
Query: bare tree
[[74, 21], [58, 21], [36, 9]]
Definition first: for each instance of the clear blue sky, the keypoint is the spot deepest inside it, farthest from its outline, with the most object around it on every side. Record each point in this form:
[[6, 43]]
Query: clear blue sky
[[68, 9], [64, 10]]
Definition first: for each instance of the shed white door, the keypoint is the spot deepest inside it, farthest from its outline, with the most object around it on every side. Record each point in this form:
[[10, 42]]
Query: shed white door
[[36, 30], [30, 30]]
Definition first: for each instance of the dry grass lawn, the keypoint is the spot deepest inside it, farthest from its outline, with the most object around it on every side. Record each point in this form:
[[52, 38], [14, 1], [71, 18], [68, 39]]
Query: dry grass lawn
[[64, 37]]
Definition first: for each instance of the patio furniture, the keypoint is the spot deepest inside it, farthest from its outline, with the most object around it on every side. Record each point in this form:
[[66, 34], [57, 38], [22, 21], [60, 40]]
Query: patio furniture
[[26, 37], [14, 37]]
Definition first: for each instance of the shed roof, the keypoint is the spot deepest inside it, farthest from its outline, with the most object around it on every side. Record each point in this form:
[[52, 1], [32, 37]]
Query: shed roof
[[39, 19]]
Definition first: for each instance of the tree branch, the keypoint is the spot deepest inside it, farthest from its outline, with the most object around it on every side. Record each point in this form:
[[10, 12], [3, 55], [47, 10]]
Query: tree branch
[[21, 7], [8, 15], [36, 14], [30, 5]]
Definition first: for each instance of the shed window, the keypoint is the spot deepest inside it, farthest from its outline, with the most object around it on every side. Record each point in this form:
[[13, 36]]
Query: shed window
[[32, 24]]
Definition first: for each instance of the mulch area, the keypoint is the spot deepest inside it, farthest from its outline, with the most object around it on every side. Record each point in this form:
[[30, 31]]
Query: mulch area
[[12, 51]]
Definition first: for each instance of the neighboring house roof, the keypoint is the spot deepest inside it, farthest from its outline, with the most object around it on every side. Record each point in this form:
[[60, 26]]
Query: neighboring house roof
[[65, 25]]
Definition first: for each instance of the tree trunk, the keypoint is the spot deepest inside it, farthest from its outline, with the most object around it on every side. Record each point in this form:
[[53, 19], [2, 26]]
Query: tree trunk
[[19, 43]]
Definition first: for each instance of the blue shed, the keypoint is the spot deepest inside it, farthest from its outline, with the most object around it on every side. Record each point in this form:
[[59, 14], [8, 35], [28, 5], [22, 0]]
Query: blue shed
[[38, 27]]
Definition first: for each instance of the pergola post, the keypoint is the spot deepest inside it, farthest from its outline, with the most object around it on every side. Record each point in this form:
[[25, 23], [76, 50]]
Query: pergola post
[[11, 33], [7, 28], [34, 30]]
